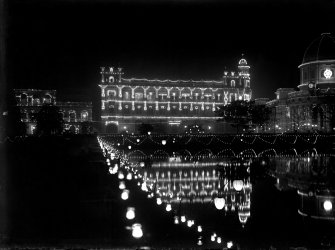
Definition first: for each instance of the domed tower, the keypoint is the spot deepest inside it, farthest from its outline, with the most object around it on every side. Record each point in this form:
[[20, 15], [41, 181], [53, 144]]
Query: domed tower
[[318, 66], [243, 70]]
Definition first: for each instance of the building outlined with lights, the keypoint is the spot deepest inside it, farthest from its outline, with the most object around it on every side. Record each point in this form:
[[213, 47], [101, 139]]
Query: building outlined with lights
[[170, 105]]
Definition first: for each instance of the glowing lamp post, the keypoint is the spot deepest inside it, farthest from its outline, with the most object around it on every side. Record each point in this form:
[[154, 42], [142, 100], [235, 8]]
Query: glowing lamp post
[[327, 205], [130, 214], [129, 147], [149, 133], [159, 201], [168, 207], [137, 231], [183, 218], [142, 164], [176, 220], [163, 142], [218, 240], [129, 176], [121, 176], [229, 244], [238, 185], [125, 194], [122, 185], [199, 229], [219, 203]]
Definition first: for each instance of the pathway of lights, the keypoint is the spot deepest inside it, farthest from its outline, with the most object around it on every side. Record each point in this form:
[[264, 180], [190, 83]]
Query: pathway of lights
[[225, 139], [136, 228]]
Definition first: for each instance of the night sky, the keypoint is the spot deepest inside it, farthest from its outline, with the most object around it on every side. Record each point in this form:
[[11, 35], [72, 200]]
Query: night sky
[[61, 44]]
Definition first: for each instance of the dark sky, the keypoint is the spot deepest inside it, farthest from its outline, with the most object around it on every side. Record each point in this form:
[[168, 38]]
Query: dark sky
[[61, 44]]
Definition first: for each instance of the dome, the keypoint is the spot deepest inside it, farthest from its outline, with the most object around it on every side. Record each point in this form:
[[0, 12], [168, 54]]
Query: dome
[[322, 48], [242, 62]]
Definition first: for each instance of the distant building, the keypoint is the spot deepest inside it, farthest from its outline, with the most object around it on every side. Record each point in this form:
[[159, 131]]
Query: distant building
[[31, 100], [312, 107], [170, 105]]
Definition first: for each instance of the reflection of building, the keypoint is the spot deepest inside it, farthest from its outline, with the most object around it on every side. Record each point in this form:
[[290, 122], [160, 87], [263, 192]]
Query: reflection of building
[[201, 184], [313, 178], [31, 100], [312, 107], [172, 104]]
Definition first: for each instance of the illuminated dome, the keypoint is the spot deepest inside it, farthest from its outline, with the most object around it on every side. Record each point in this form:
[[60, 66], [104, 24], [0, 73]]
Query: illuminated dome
[[242, 62], [322, 48]]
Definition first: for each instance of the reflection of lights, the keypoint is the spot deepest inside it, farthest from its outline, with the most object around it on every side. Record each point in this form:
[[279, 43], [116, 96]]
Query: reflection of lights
[[129, 176], [125, 194], [218, 240], [130, 213], [112, 156], [176, 220], [168, 207], [149, 133], [327, 205], [121, 176], [219, 203], [142, 164], [183, 218], [159, 201], [229, 244], [118, 144], [199, 242], [138, 140], [163, 142], [213, 238], [238, 185], [199, 229], [122, 185], [137, 231], [129, 147]]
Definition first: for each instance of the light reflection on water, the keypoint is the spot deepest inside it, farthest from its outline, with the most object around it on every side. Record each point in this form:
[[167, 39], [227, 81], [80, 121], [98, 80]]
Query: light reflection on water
[[191, 181]]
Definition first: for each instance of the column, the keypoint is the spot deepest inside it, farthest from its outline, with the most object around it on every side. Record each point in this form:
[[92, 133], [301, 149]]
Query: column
[[120, 90], [102, 104], [132, 92], [156, 105], [168, 107], [191, 108], [168, 90], [132, 105], [213, 106], [202, 106], [103, 94], [145, 92], [145, 105], [179, 105], [120, 105]]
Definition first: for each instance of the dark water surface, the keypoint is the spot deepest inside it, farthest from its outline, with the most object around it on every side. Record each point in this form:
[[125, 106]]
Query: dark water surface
[[61, 192]]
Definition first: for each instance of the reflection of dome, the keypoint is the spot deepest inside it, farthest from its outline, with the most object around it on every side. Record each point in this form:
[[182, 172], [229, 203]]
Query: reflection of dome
[[322, 48], [243, 214]]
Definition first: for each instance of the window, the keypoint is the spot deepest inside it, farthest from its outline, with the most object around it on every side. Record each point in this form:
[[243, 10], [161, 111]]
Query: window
[[138, 96], [232, 83]]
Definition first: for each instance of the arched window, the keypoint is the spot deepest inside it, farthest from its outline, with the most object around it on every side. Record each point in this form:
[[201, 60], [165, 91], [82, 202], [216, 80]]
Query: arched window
[[232, 83], [24, 99], [111, 79], [47, 99], [84, 115], [72, 116]]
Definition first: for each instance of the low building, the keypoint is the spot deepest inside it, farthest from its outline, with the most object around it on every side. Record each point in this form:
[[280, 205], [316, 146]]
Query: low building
[[169, 105], [312, 106], [31, 100]]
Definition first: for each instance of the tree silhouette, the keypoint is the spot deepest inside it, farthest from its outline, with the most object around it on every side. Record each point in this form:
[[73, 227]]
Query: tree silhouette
[[259, 114], [235, 113], [12, 120], [49, 120]]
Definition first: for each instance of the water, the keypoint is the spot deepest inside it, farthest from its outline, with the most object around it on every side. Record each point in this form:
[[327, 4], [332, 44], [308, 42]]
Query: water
[[224, 195]]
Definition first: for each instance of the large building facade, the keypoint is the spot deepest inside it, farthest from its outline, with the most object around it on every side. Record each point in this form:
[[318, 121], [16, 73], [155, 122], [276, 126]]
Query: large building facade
[[31, 100], [169, 105], [312, 106]]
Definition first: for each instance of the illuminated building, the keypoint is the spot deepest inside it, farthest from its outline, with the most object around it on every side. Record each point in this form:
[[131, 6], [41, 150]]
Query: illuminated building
[[168, 104], [31, 100], [312, 106]]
